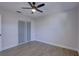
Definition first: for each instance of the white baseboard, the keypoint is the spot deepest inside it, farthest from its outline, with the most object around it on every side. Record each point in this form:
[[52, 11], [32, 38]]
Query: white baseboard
[[58, 45], [22, 43], [9, 47]]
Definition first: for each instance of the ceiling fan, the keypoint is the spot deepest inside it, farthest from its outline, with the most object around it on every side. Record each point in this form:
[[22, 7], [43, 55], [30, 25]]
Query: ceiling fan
[[34, 7]]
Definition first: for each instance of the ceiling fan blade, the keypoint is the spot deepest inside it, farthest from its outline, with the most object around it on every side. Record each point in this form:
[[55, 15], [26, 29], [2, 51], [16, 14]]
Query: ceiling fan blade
[[39, 10], [30, 4], [26, 8], [40, 5]]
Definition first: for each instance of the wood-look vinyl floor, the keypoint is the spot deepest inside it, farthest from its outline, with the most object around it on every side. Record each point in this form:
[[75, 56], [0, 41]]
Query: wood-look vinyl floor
[[35, 48]]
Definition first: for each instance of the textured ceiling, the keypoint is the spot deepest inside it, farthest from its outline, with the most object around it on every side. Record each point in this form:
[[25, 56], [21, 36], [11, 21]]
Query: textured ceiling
[[50, 7]]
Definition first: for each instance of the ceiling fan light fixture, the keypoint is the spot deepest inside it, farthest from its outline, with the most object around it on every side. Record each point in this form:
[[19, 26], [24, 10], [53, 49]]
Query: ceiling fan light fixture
[[33, 7], [33, 10]]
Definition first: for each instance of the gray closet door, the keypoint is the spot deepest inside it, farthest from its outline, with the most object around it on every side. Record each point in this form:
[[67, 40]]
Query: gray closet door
[[28, 31], [0, 35], [21, 31]]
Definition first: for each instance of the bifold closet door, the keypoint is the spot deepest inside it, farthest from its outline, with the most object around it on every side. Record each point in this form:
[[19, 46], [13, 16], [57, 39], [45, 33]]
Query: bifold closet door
[[28, 31], [0, 35], [21, 31]]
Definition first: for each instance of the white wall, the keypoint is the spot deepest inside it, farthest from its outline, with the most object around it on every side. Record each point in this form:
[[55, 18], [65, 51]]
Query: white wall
[[10, 28], [33, 37], [58, 29]]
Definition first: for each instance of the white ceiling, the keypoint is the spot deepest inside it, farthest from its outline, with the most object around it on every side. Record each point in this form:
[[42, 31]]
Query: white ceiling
[[50, 7]]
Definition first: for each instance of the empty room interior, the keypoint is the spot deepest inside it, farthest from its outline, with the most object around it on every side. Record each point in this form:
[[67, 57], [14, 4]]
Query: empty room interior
[[39, 28]]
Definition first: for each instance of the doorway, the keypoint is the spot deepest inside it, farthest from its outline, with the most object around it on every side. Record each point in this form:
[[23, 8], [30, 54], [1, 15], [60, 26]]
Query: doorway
[[24, 32]]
